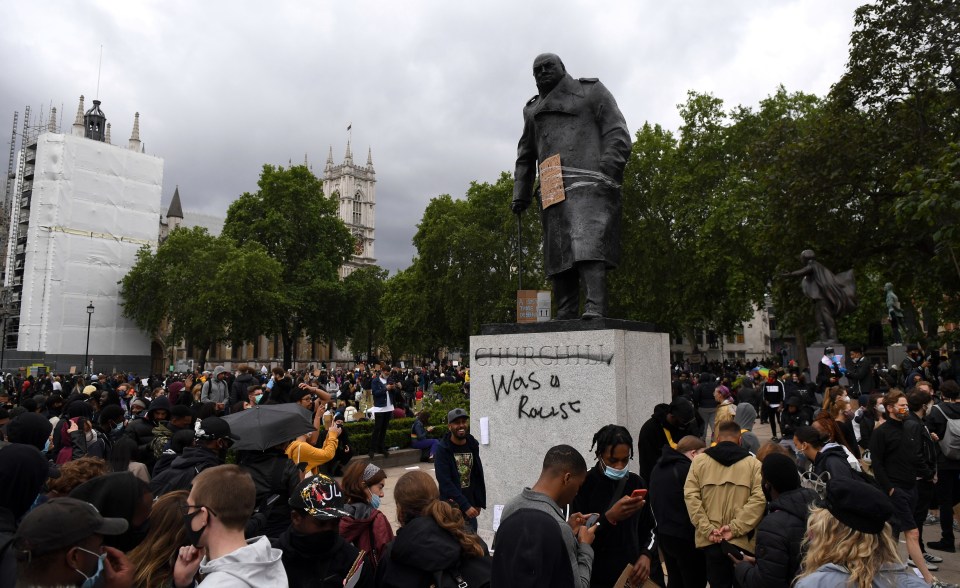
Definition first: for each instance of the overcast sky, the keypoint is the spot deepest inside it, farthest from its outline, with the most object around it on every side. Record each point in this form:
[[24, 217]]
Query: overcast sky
[[436, 88]]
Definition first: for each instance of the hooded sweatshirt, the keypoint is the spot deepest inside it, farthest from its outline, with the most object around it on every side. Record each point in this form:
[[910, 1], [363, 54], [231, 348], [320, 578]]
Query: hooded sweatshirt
[[257, 565], [746, 416], [421, 549], [723, 488], [215, 389]]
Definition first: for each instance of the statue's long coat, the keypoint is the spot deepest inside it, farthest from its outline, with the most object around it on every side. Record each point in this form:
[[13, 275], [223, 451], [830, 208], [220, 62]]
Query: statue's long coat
[[580, 120]]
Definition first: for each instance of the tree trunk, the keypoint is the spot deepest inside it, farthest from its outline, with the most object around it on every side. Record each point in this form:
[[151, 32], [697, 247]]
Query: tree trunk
[[287, 339], [202, 360]]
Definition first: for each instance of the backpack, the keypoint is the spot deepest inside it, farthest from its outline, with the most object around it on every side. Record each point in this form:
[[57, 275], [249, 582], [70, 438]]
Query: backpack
[[470, 572], [950, 444]]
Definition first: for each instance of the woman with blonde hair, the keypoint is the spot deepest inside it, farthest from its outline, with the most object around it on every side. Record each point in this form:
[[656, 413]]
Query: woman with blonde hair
[[432, 540], [153, 559], [849, 543], [726, 409]]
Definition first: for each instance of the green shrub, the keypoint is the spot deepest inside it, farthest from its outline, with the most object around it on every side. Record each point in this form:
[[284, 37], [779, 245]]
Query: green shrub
[[361, 443]]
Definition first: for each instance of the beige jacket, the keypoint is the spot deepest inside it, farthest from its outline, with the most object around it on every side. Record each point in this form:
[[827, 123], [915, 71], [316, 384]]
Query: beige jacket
[[723, 488]]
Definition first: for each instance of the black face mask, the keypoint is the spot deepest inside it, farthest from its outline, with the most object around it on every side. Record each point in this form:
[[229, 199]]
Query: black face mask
[[192, 537], [314, 543]]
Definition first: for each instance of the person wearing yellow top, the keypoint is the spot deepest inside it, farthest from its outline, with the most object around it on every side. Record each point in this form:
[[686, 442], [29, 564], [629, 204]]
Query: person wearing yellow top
[[302, 451]]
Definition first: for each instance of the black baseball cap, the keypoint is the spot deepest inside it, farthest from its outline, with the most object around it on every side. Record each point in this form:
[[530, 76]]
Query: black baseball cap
[[63, 522], [215, 428]]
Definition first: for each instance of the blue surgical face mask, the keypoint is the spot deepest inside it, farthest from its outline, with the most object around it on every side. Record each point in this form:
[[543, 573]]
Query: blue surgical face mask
[[118, 427], [97, 578], [258, 397], [374, 501], [614, 473], [46, 446]]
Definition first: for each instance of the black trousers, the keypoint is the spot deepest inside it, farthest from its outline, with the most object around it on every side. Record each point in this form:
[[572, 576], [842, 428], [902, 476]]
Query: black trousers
[[925, 499], [686, 566], [380, 422], [948, 495], [719, 567]]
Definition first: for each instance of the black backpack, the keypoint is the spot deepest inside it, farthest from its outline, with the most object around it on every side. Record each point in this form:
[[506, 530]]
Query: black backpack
[[471, 572]]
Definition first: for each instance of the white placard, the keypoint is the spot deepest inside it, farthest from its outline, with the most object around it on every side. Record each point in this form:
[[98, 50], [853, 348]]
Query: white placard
[[485, 430], [497, 512]]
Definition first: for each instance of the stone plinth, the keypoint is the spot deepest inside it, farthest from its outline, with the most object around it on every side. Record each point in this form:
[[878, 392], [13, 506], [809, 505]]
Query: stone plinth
[[541, 388]]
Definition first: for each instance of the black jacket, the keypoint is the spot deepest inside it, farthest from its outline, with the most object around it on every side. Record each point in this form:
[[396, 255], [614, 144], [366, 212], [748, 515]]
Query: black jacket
[[833, 459], [778, 542], [273, 473], [895, 454], [310, 567], [666, 498], [703, 394], [791, 421], [183, 469], [448, 474], [652, 439], [860, 376], [238, 391], [421, 551], [615, 546]]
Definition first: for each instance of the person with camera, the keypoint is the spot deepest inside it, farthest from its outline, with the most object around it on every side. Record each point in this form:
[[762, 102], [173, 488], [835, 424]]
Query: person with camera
[[301, 450]]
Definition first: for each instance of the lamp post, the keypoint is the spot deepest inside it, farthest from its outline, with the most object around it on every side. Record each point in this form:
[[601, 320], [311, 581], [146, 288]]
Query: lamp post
[[86, 354]]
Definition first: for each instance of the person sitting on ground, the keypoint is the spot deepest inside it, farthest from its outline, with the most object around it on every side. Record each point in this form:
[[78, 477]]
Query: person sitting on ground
[[366, 527], [564, 472], [675, 533], [421, 441], [314, 553], [218, 507], [781, 531], [432, 539], [849, 542], [60, 543], [153, 559]]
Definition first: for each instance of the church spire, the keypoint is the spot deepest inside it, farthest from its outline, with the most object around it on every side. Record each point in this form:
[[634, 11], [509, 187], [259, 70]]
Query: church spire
[[134, 144], [95, 123], [106, 138], [78, 122], [52, 124], [369, 157], [176, 209], [348, 156]]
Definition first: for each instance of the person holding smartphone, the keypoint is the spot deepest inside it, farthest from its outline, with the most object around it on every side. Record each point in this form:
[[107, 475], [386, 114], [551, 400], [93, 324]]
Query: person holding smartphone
[[625, 536]]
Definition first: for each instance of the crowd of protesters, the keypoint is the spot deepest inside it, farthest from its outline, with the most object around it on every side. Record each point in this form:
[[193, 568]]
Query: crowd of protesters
[[119, 481]]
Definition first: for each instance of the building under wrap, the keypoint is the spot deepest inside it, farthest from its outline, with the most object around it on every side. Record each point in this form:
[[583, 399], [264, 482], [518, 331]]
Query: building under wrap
[[82, 209]]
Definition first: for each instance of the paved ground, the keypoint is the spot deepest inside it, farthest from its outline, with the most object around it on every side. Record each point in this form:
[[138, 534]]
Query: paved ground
[[949, 569]]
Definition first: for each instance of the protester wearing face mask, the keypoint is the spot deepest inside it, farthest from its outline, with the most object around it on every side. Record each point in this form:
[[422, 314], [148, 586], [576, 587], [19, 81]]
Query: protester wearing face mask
[[218, 507], [366, 527], [314, 553], [895, 451], [626, 533], [675, 533], [60, 543]]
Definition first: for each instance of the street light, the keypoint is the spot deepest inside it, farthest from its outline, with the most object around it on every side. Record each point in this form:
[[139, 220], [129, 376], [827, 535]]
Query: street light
[[86, 354]]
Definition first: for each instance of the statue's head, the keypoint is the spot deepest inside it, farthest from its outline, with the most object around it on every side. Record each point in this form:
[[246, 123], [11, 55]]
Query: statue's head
[[548, 70], [887, 287], [806, 255]]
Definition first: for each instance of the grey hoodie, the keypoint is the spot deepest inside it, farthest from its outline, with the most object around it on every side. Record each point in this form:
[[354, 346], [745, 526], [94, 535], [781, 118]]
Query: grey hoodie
[[257, 565], [581, 554]]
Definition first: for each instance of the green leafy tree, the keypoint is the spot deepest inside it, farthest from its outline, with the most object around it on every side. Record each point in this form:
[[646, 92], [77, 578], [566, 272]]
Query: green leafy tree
[[364, 289], [202, 289], [299, 228]]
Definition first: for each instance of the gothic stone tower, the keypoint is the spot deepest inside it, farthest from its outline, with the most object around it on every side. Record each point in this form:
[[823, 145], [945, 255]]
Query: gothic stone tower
[[355, 188]]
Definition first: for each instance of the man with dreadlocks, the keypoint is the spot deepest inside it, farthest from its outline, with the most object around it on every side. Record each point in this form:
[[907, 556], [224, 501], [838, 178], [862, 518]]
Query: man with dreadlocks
[[626, 535]]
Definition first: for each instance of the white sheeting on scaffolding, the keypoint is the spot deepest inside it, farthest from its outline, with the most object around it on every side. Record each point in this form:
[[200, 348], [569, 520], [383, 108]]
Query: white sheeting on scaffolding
[[94, 206]]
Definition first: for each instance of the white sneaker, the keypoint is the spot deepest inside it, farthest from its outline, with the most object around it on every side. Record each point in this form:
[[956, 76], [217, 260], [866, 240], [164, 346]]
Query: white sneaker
[[930, 558], [930, 566]]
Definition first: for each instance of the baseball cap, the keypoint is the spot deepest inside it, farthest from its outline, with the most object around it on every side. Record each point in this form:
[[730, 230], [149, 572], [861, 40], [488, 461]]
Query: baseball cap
[[63, 522], [215, 428], [320, 497], [456, 414]]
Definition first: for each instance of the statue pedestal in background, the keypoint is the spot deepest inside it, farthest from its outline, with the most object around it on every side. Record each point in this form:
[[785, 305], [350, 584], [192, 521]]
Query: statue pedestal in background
[[544, 384], [815, 354], [895, 356]]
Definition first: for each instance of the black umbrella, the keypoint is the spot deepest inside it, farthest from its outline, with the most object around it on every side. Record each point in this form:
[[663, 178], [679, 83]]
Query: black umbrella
[[263, 427]]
